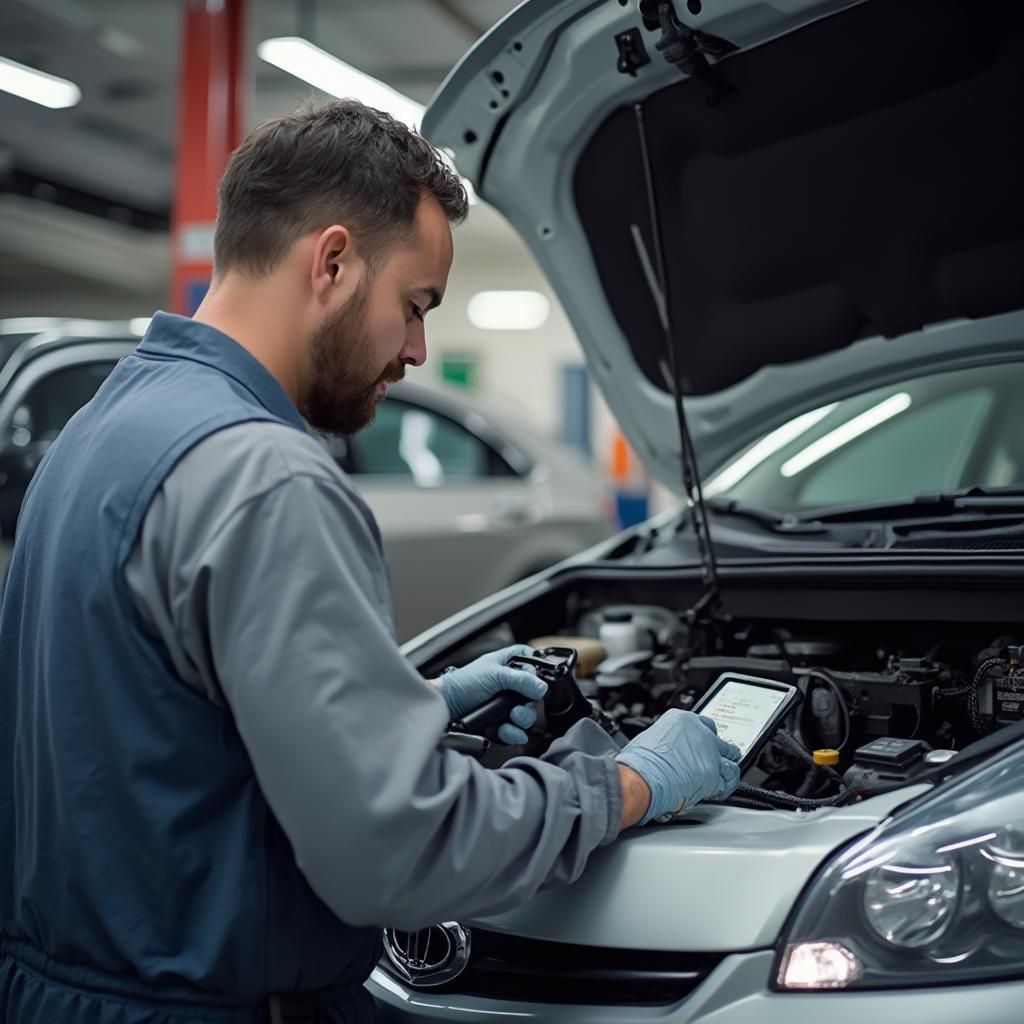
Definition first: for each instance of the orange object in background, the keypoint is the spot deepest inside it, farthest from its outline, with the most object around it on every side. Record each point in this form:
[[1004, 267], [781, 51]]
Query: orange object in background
[[210, 122], [630, 482], [620, 459]]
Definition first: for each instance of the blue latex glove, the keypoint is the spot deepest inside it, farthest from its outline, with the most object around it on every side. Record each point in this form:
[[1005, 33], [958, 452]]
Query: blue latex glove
[[465, 689], [683, 761]]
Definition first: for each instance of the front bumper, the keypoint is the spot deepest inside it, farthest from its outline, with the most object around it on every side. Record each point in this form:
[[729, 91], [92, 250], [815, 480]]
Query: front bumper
[[735, 992]]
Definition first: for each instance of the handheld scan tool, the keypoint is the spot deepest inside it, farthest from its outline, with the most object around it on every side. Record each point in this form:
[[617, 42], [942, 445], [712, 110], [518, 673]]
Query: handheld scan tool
[[564, 704], [747, 710]]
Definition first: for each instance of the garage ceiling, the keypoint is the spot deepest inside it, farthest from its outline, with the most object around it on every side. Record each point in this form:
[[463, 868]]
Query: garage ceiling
[[117, 144], [85, 192]]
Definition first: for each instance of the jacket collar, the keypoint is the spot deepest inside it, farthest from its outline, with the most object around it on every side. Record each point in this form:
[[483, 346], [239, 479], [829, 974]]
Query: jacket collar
[[170, 336]]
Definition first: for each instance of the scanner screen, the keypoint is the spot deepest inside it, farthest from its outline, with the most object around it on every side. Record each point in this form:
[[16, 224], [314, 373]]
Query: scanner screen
[[741, 711]]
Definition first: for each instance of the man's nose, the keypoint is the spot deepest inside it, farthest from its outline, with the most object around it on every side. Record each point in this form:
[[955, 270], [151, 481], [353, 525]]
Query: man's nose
[[414, 351]]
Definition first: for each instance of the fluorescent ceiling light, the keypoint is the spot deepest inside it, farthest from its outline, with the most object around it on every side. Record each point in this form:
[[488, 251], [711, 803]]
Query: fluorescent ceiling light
[[139, 325], [767, 446], [508, 310], [299, 57], [844, 434], [37, 86]]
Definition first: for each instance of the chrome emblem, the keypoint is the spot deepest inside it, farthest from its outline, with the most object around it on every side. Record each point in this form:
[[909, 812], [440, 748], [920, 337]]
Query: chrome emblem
[[428, 957]]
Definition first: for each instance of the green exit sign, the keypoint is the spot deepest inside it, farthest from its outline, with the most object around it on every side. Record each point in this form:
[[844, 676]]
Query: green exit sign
[[460, 370]]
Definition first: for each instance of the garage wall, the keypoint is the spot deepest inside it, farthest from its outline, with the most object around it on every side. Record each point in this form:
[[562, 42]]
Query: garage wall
[[60, 263]]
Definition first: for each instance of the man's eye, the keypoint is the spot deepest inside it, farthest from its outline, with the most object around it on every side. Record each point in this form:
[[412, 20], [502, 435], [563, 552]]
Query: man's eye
[[416, 312]]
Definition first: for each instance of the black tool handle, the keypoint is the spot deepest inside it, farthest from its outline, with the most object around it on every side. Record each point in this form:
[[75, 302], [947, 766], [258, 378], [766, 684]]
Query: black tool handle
[[486, 719], [475, 746], [565, 705]]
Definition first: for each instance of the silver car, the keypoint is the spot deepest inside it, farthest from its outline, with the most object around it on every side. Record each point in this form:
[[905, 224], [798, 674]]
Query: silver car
[[790, 238], [468, 500]]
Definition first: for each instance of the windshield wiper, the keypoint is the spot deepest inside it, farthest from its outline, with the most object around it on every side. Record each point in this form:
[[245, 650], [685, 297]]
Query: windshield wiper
[[781, 522], [977, 500]]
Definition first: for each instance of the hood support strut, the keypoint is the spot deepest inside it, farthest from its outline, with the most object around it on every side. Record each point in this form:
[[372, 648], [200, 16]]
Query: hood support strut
[[688, 49], [657, 280]]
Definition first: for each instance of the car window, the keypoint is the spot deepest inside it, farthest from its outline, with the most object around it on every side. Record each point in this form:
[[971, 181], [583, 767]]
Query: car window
[[936, 432], [409, 441], [53, 400]]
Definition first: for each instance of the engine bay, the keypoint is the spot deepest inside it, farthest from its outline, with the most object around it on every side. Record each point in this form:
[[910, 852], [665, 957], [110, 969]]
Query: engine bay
[[884, 702], [932, 692]]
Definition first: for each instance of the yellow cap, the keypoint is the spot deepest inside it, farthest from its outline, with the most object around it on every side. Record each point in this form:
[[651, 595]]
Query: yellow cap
[[826, 757]]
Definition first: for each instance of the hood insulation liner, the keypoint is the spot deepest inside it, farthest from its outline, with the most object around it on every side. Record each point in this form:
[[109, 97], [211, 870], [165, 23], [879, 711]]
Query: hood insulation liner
[[867, 179]]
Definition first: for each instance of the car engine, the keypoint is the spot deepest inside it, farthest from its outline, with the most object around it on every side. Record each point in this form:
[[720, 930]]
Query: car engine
[[884, 702], [893, 705]]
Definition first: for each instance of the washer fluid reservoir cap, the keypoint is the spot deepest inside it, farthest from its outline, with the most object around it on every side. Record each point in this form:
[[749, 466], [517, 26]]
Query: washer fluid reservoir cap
[[939, 756], [826, 757]]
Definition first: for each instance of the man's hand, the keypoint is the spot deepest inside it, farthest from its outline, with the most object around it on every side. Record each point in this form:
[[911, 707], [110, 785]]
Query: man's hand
[[465, 689], [682, 761]]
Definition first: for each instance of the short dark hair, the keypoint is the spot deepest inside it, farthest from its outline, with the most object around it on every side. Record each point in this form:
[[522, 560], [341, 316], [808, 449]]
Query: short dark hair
[[330, 161]]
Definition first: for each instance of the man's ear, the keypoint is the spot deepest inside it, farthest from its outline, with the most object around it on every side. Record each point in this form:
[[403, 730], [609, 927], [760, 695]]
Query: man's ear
[[334, 260]]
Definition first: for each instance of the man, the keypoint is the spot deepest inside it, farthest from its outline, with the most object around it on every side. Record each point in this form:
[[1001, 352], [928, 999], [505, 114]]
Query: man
[[218, 776]]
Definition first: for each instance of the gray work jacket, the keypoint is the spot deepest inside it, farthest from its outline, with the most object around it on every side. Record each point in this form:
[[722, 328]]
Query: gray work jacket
[[258, 568]]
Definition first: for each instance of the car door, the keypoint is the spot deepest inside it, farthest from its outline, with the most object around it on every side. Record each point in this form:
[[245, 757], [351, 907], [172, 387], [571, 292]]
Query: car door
[[42, 395], [452, 510]]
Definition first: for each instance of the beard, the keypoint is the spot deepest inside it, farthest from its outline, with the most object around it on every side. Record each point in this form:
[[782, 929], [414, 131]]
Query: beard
[[344, 394]]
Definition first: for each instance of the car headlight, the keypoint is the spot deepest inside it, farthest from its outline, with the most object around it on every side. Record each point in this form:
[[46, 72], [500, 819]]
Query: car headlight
[[1006, 882], [912, 904], [932, 896]]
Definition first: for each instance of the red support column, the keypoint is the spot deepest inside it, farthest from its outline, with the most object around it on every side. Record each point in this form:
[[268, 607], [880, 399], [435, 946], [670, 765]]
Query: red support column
[[210, 121]]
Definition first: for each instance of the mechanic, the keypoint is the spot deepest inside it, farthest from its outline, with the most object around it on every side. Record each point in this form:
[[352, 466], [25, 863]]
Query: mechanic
[[219, 777]]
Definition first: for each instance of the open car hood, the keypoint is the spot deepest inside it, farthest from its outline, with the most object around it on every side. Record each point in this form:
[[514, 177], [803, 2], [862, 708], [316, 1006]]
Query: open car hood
[[837, 185]]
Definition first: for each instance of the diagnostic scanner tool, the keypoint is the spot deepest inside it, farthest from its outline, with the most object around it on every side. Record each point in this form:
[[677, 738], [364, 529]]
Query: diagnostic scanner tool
[[563, 705], [747, 710], [550, 663]]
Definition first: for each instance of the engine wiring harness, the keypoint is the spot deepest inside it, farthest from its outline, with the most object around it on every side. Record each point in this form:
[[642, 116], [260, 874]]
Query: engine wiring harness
[[759, 798]]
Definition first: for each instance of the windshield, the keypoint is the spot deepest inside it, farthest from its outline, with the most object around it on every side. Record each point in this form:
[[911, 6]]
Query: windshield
[[940, 432]]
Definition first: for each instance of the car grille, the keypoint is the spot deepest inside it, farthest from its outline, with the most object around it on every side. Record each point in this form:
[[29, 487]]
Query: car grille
[[510, 967]]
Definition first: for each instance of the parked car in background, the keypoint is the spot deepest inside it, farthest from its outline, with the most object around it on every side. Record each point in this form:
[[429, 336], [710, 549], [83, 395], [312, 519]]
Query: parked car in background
[[468, 500]]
